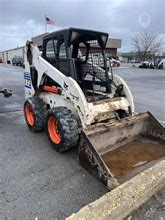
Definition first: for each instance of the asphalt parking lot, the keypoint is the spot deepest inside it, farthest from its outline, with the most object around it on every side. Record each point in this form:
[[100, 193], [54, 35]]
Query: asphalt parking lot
[[38, 183]]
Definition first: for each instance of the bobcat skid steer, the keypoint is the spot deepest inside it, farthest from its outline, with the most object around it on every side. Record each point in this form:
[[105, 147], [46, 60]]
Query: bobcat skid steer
[[71, 94]]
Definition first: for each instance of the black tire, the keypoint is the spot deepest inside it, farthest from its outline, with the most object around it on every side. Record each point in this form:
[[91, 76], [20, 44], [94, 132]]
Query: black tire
[[38, 109], [67, 127]]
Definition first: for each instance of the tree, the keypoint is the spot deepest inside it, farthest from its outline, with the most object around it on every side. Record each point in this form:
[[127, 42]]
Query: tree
[[146, 45]]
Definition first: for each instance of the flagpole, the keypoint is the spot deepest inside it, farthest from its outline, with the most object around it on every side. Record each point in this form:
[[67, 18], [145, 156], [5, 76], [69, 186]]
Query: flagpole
[[45, 25]]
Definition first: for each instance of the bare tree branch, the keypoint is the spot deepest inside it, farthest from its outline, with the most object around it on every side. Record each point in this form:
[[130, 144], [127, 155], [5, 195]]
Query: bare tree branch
[[146, 45]]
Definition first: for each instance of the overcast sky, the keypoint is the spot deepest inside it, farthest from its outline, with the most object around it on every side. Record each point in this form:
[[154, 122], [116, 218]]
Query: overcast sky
[[22, 19]]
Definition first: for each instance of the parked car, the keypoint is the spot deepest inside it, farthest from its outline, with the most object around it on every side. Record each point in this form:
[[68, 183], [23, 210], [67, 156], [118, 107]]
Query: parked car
[[17, 60], [147, 64], [161, 65], [144, 64], [115, 63], [151, 65], [134, 61], [157, 60]]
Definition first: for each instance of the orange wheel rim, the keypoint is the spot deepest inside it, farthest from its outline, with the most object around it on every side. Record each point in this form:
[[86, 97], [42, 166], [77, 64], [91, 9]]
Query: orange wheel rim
[[29, 114], [53, 130]]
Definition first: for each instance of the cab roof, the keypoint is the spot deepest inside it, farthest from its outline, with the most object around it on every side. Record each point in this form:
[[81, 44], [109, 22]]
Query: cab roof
[[84, 33]]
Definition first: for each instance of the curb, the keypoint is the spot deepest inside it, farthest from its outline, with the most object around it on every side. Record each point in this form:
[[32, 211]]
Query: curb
[[124, 199]]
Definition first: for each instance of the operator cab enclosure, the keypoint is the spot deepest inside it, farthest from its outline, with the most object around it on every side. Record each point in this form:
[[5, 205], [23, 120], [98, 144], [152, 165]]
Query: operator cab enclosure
[[79, 54]]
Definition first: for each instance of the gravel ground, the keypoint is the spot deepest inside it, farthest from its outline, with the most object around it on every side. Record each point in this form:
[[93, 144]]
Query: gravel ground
[[38, 183]]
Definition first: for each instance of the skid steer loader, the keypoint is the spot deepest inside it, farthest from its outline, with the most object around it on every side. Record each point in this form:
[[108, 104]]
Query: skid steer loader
[[71, 93]]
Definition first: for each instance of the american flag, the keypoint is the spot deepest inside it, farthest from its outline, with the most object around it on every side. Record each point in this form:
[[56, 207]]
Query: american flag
[[50, 21]]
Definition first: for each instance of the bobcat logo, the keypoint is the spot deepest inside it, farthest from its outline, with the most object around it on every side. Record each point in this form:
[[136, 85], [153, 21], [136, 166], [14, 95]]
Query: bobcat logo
[[65, 86]]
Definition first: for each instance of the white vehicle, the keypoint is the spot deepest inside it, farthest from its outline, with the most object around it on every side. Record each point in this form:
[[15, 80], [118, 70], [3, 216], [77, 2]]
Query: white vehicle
[[115, 63], [161, 65], [79, 103]]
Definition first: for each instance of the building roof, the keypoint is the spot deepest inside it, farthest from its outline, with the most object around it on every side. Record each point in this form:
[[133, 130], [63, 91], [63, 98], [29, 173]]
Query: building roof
[[38, 40], [16, 48], [113, 43], [73, 34]]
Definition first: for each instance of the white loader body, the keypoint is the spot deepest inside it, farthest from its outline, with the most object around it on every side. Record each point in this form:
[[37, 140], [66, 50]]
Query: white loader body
[[72, 95]]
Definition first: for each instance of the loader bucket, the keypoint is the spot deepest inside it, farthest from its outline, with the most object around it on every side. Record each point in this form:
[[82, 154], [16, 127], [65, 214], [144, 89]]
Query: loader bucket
[[116, 152]]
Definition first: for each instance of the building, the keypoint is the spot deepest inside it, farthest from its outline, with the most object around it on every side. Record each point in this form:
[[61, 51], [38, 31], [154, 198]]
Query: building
[[38, 40], [112, 46], [129, 56], [7, 56]]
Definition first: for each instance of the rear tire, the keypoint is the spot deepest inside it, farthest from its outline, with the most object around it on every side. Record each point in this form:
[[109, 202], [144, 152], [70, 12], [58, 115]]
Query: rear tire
[[62, 128], [34, 111]]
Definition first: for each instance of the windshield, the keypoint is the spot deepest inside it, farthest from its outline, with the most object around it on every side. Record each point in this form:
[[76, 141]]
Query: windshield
[[90, 63]]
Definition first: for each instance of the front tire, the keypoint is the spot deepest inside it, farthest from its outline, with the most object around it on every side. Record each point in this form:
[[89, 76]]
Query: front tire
[[34, 111], [62, 129]]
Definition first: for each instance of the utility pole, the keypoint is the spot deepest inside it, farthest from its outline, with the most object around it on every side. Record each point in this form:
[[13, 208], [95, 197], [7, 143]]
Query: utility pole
[[45, 25]]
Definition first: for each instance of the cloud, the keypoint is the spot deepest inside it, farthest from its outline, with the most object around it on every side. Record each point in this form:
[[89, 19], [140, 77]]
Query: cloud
[[22, 19]]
